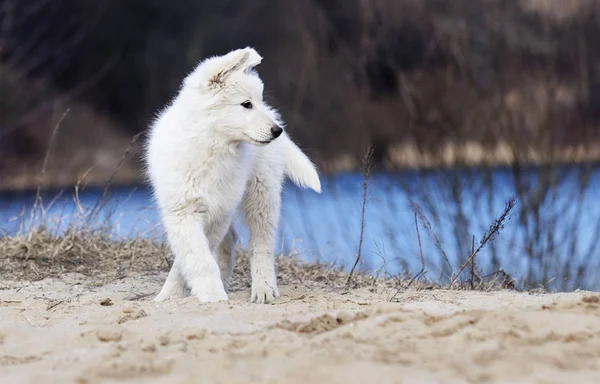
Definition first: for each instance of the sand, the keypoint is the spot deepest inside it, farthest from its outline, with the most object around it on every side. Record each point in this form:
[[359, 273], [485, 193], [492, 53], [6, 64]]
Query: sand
[[74, 330]]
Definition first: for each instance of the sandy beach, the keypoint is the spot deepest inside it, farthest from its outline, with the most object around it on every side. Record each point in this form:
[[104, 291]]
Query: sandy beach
[[74, 329]]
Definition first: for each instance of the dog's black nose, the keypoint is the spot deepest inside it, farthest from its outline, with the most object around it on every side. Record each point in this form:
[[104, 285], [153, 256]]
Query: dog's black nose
[[276, 130]]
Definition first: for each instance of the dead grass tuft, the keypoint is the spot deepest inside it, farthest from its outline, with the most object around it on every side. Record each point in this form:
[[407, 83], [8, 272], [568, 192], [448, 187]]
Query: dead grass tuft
[[39, 255]]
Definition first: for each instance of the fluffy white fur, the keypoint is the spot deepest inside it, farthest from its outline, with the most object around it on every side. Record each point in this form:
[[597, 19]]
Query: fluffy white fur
[[214, 151]]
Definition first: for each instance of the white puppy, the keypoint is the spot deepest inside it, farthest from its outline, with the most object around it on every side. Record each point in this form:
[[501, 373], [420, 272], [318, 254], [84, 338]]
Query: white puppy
[[216, 148]]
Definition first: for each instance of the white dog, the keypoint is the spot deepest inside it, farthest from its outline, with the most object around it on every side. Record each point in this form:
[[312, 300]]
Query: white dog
[[215, 148]]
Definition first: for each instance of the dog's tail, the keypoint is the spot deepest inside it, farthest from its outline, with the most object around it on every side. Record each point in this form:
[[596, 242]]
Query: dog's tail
[[298, 166]]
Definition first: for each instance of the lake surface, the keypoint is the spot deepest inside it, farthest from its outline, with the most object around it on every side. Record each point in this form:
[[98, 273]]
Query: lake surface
[[550, 237]]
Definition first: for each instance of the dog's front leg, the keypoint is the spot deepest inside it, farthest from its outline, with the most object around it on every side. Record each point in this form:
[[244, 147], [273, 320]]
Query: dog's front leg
[[193, 257], [261, 208], [174, 286]]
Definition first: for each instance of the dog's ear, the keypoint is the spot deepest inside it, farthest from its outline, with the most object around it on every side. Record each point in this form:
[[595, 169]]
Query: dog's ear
[[238, 60], [213, 72]]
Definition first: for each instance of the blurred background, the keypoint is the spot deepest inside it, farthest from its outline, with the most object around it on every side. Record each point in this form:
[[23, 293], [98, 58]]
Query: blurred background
[[465, 103]]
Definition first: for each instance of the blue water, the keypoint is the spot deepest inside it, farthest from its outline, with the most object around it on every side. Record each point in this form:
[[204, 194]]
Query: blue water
[[549, 236]]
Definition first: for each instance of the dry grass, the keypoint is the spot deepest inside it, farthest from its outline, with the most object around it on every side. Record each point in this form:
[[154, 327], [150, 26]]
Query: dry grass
[[39, 255]]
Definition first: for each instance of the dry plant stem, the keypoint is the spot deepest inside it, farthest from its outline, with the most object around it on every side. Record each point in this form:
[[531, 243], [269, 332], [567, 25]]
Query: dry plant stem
[[367, 164], [38, 197], [88, 252], [428, 227], [124, 157], [108, 183], [497, 226], [474, 273], [420, 252], [473, 263]]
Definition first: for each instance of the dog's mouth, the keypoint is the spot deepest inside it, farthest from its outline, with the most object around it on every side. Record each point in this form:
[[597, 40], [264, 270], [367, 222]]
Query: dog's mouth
[[260, 142]]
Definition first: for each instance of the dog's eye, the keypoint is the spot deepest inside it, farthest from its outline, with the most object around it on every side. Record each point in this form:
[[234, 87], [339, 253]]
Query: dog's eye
[[247, 105]]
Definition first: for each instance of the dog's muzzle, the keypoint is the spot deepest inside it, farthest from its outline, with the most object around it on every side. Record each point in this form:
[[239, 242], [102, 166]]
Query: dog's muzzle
[[276, 131]]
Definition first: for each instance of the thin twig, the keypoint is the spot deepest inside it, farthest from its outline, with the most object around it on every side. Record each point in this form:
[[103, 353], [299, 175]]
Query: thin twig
[[429, 228], [98, 204], [421, 253], [473, 263], [38, 193], [497, 226], [367, 167]]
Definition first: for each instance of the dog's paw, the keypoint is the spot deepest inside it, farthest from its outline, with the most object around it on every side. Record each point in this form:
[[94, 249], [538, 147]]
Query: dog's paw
[[263, 293], [171, 291], [162, 296], [206, 292], [212, 297]]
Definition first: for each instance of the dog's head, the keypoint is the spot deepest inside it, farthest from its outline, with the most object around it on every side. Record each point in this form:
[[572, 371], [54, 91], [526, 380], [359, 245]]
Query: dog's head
[[233, 94]]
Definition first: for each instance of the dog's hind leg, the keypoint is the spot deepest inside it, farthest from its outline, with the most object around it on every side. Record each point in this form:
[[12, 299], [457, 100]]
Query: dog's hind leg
[[226, 256], [174, 286], [260, 209]]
